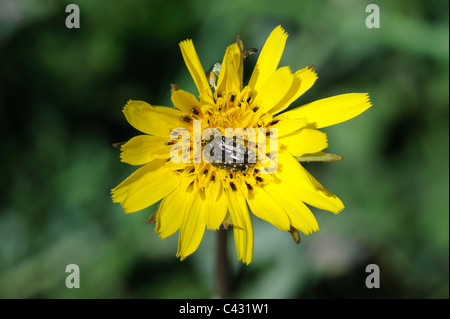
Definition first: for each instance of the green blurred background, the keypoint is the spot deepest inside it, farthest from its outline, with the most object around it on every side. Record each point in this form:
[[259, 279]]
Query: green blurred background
[[61, 97]]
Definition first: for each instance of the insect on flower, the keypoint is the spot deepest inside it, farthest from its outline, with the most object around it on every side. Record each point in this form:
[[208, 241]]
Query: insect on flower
[[213, 73], [228, 154], [214, 70]]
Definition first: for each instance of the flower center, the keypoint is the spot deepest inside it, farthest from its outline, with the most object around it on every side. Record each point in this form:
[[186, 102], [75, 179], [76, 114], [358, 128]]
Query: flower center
[[233, 110], [231, 161]]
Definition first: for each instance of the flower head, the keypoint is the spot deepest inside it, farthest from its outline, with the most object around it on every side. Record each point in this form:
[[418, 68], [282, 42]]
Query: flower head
[[200, 191]]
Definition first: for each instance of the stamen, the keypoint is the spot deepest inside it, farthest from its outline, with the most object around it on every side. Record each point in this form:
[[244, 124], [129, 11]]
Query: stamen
[[274, 122]]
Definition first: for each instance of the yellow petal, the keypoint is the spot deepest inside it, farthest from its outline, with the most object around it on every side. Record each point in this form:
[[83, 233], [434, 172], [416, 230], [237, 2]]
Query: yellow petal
[[332, 110], [192, 226], [305, 79], [195, 67], [269, 58], [286, 126], [276, 89], [304, 141], [308, 77], [153, 120], [242, 226], [186, 102], [299, 214], [216, 210], [142, 149], [171, 212], [306, 187], [145, 187], [229, 77], [240, 62], [266, 208]]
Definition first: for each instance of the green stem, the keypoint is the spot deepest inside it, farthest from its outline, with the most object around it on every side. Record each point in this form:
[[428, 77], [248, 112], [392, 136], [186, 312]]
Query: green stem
[[223, 267]]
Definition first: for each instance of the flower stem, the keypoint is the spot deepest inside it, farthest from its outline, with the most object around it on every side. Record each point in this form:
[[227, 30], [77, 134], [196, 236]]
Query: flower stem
[[223, 267]]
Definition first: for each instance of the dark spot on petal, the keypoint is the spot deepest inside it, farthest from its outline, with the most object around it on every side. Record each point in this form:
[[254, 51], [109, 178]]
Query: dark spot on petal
[[274, 122]]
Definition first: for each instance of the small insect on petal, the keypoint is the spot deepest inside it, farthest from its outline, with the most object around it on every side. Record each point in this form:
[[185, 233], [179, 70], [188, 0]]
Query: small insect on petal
[[249, 52], [245, 53], [213, 74]]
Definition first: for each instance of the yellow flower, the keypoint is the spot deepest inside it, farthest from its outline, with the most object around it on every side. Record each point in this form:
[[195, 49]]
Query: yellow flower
[[197, 194]]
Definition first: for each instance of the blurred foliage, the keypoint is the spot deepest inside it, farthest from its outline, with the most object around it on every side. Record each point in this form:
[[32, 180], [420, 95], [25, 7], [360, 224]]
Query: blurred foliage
[[61, 95]]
